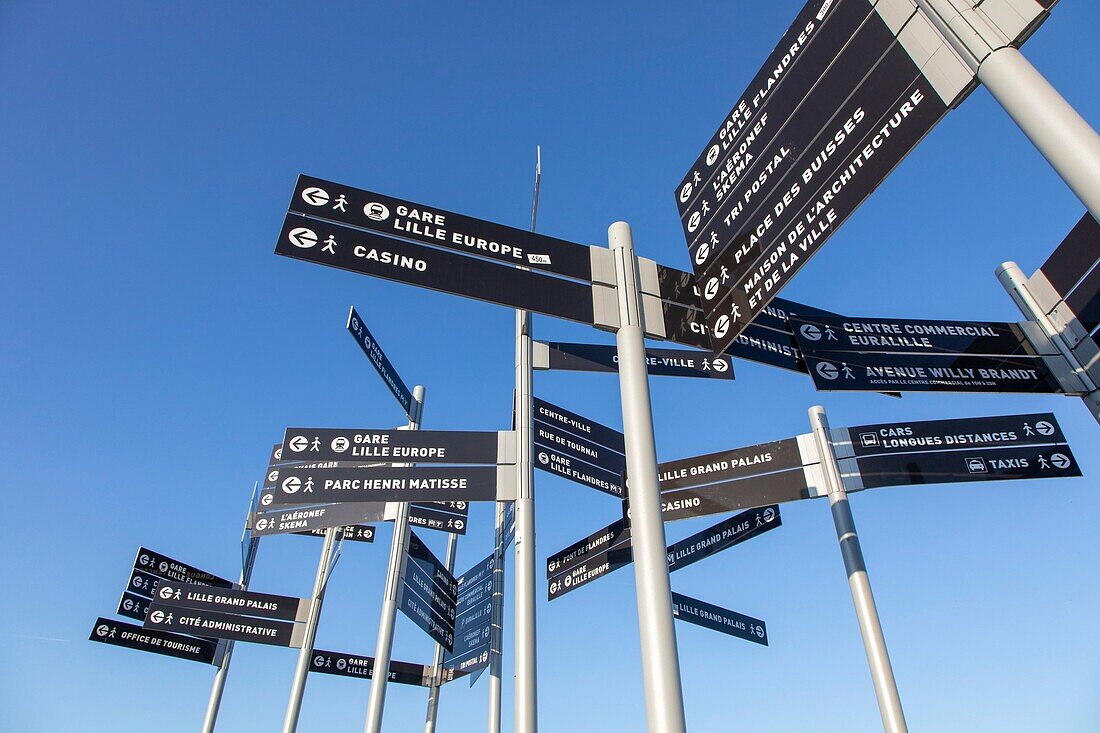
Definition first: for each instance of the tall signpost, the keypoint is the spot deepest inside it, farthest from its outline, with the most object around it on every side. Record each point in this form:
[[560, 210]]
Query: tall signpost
[[496, 631], [301, 670], [248, 561], [886, 689], [526, 661], [660, 660], [391, 593]]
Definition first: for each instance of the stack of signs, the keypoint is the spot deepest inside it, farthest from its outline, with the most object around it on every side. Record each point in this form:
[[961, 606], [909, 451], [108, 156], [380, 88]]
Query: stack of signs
[[429, 593], [313, 521], [1067, 289], [659, 362], [849, 90], [609, 549], [150, 569], [330, 482], [362, 667], [473, 621], [875, 354], [579, 449], [373, 234], [768, 473], [949, 451], [226, 613]]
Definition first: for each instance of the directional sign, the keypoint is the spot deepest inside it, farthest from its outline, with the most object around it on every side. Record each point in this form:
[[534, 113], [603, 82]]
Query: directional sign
[[930, 373], [224, 625], [165, 567], [717, 618], [351, 532], [976, 464], [230, 600], [550, 460], [549, 436], [381, 362], [407, 446], [591, 568], [131, 636], [659, 362], [441, 576], [743, 493], [722, 536], [613, 535], [688, 326], [420, 483], [909, 336], [356, 665], [811, 43], [131, 605], [573, 423], [369, 254], [435, 516], [439, 228], [142, 583], [1073, 259], [726, 465], [432, 617], [474, 619], [320, 518], [972, 432]]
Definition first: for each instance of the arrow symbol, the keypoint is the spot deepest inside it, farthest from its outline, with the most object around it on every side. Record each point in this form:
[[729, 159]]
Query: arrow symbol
[[315, 196], [1060, 460], [298, 443], [292, 484], [1044, 428], [711, 289], [302, 237], [810, 331], [827, 370]]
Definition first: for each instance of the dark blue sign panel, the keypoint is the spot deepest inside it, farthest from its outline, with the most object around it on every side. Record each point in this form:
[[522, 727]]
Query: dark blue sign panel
[[717, 618], [131, 636], [659, 362], [381, 362], [357, 665]]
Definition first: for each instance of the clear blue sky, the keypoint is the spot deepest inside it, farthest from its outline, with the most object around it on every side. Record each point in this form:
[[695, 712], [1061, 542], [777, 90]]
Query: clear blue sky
[[155, 348]]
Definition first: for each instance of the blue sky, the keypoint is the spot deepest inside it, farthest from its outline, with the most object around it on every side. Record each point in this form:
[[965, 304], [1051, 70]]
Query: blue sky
[[155, 348]]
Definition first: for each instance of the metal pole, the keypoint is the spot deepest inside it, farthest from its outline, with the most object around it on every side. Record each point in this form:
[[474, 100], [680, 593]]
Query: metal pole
[[1068, 143], [882, 674], [496, 638], [660, 659], [526, 687], [1014, 281], [214, 704], [437, 661], [398, 549], [298, 688]]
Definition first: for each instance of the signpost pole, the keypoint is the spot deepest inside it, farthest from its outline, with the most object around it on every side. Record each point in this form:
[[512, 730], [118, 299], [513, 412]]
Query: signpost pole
[[214, 704], [398, 547], [437, 662], [882, 674], [496, 632], [660, 658], [1014, 281], [1064, 138], [298, 688], [526, 688]]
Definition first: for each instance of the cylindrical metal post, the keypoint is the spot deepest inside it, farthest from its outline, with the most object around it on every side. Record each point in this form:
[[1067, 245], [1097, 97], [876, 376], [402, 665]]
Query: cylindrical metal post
[[214, 704], [526, 673], [301, 671], [496, 633], [882, 674], [1068, 143], [660, 659], [437, 660], [398, 549]]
